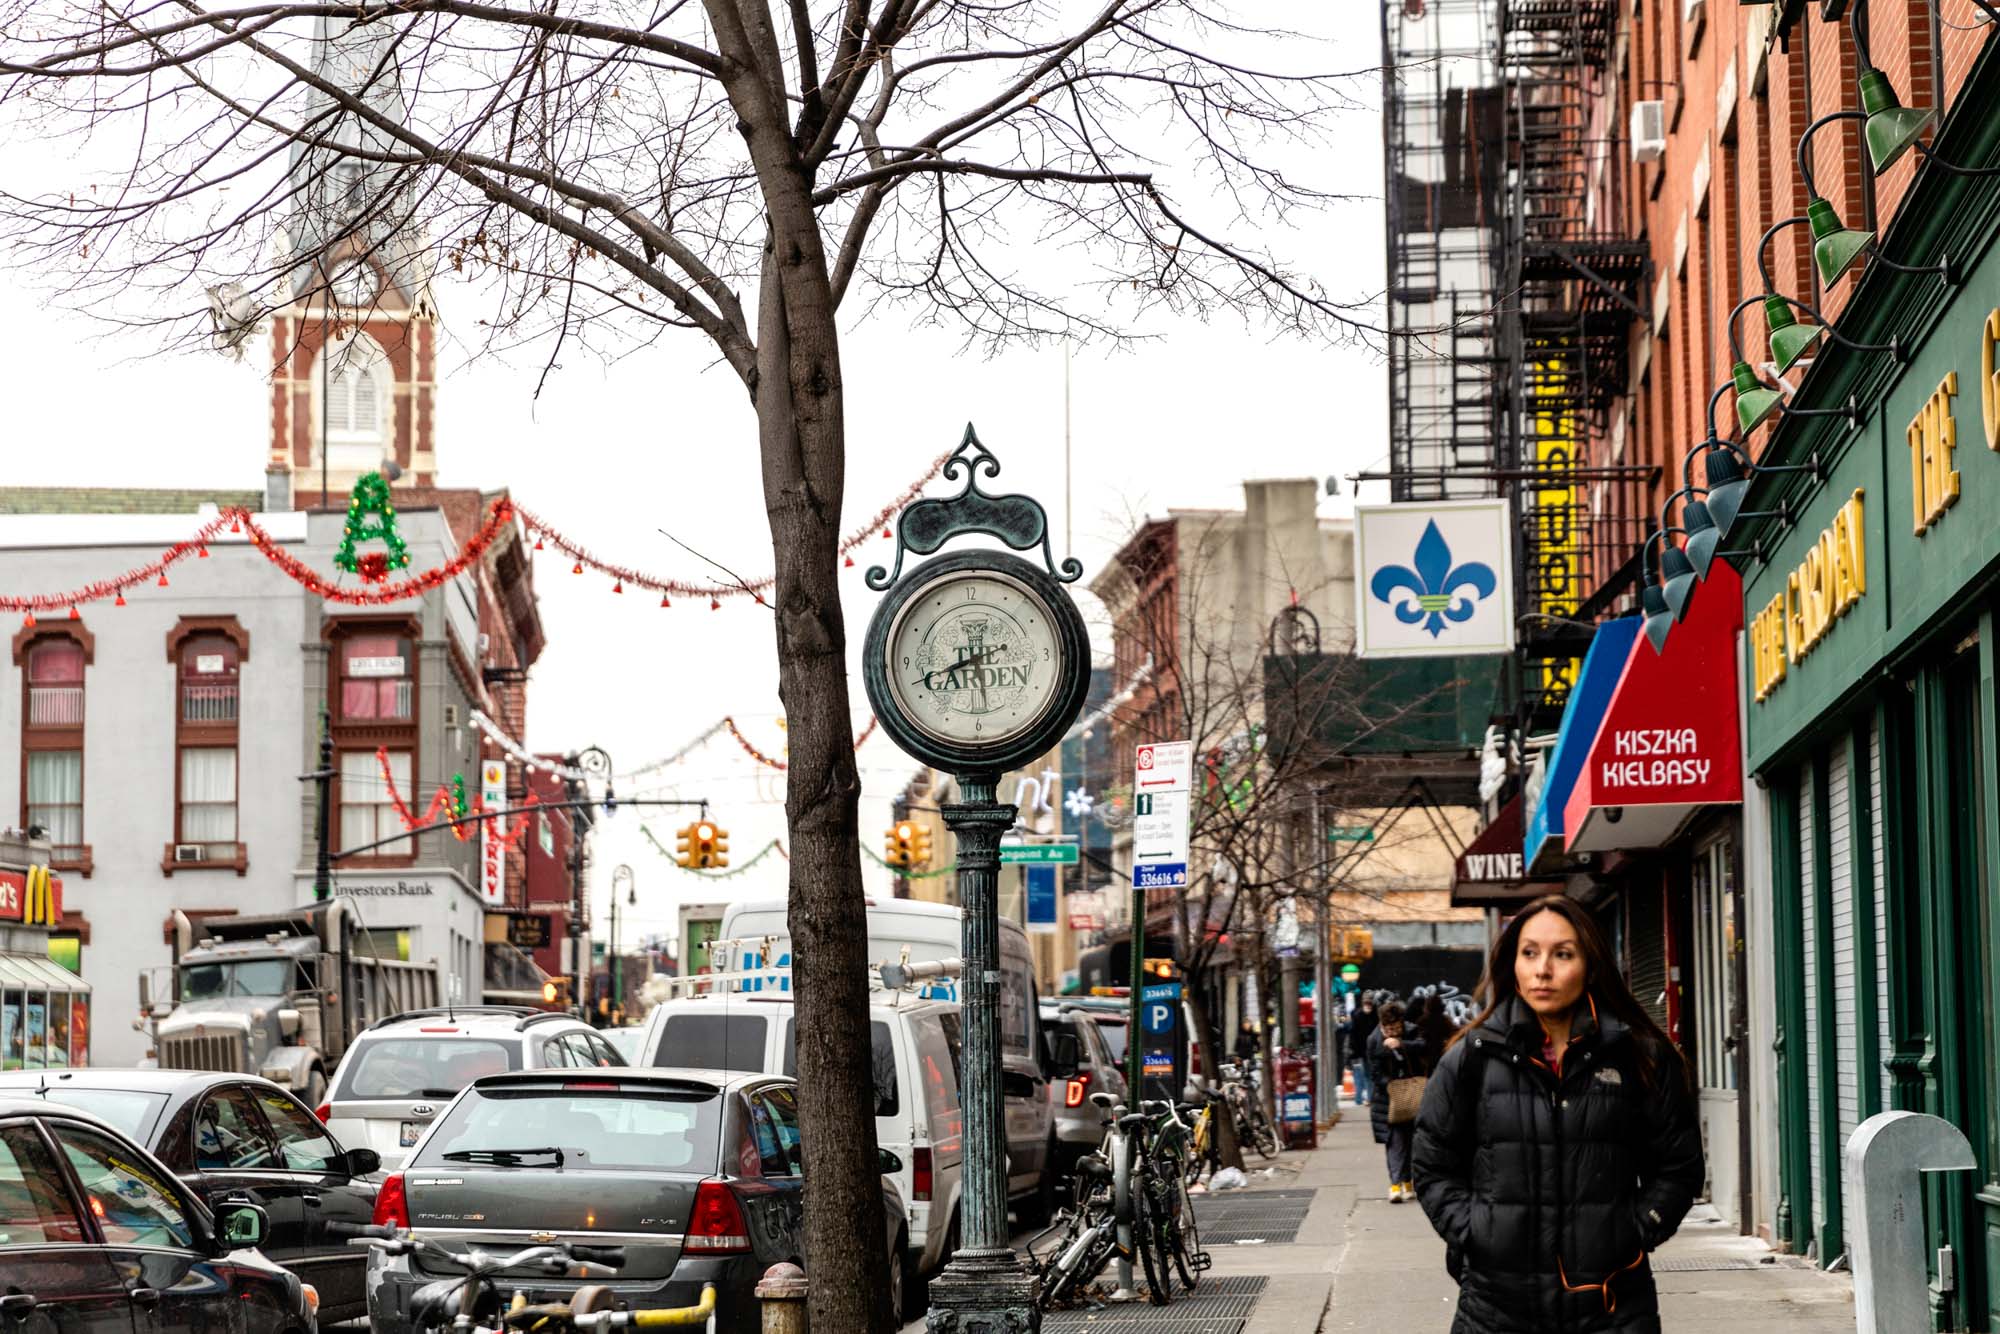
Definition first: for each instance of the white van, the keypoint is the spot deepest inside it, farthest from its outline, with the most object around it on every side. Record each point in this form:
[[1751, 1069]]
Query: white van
[[917, 1117], [901, 930]]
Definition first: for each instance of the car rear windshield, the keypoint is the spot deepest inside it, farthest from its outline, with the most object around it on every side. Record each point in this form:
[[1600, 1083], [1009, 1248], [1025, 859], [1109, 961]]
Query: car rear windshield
[[1113, 1033], [882, 1056], [421, 1067], [657, 1129], [712, 1042], [132, 1112]]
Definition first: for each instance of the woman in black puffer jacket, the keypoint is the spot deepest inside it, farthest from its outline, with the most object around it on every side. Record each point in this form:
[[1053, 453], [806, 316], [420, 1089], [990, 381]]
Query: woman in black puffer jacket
[[1558, 1143]]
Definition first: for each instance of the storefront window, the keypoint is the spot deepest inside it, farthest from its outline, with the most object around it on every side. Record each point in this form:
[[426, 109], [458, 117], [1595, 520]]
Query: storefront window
[[1714, 964], [13, 1035]]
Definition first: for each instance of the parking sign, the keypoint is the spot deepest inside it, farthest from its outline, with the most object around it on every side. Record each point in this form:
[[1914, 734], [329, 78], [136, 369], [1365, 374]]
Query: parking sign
[[1162, 776]]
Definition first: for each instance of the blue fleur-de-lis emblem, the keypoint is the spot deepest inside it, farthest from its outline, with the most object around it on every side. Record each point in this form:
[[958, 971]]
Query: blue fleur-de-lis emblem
[[1432, 590]]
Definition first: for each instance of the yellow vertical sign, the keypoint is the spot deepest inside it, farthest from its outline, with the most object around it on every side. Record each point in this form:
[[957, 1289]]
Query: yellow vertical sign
[[1556, 575]]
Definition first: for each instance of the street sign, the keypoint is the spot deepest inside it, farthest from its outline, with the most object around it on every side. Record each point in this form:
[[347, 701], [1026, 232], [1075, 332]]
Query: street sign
[[1041, 899], [1162, 776], [1159, 1017], [1350, 833], [1046, 854], [1159, 1063], [1161, 991]]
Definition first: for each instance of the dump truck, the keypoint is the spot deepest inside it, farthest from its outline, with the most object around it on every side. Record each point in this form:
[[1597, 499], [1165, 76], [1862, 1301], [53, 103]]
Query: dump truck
[[279, 995]]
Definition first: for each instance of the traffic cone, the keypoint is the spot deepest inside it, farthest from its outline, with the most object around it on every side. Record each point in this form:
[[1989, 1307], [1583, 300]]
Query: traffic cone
[[1347, 1085]]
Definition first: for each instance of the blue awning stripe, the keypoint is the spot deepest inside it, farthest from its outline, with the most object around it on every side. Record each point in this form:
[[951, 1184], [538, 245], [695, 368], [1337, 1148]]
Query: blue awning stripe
[[1589, 699]]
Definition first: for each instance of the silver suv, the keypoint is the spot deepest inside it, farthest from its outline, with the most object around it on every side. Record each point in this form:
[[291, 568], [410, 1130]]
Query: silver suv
[[1089, 1067], [399, 1074]]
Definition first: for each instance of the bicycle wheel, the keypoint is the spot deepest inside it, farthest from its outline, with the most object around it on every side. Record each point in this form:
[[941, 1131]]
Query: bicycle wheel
[[1254, 1129], [1188, 1257], [1146, 1240], [1198, 1148]]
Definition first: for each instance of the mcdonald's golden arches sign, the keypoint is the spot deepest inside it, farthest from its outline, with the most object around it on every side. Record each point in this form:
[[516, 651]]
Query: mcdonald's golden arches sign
[[32, 897]]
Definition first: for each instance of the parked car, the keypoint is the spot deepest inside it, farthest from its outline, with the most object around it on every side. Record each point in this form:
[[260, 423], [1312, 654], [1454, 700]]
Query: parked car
[[1083, 1064], [697, 1174], [403, 1069], [235, 1139], [96, 1235], [628, 1040], [908, 930], [916, 1054]]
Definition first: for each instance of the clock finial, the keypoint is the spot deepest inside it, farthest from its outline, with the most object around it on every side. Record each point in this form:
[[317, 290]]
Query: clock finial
[[930, 521]]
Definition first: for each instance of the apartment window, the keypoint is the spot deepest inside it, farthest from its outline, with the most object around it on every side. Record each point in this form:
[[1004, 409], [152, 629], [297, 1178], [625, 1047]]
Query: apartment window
[[52, 669], [209, 667], [207, 653], [367, 812], [377, 678]]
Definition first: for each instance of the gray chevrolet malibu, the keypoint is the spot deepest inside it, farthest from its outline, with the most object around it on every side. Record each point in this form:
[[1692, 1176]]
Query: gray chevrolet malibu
[[697, 1175]]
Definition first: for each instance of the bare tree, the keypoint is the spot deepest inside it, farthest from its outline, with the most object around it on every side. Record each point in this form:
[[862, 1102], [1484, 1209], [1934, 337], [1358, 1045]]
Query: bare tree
[[750, 170], [1271, 726]]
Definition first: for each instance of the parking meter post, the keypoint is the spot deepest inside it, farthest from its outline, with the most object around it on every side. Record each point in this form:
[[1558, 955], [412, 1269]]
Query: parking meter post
[[1121, 1208], [1135, 1058]]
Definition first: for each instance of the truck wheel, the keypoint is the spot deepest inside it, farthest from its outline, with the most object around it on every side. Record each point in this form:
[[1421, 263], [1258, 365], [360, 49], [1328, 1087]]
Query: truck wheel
[[315, 1088]]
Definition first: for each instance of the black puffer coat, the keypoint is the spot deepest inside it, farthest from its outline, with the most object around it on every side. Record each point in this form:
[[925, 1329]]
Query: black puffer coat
[[1549, 1193], [1384, 1064]]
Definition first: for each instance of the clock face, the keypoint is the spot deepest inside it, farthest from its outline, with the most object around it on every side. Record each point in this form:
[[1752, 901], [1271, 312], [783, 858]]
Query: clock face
[[974, 658]]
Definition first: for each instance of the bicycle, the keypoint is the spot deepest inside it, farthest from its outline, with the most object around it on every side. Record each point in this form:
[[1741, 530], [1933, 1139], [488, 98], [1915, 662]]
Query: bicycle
[[1252, 1126], [1095, 1228], [471, 1303], [1176, 1230]]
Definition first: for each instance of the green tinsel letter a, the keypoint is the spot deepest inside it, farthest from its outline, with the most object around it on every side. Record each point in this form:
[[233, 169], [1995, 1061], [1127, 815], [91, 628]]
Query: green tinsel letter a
[[371, 518]]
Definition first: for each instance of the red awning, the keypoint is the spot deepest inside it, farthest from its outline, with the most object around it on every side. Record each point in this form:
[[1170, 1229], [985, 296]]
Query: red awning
[[1671, 741], [1491, 873]]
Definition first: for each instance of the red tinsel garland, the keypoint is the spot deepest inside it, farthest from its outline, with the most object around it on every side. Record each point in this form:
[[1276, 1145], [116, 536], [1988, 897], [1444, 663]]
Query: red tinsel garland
[[766, 760], [503, 512], [441, 803]]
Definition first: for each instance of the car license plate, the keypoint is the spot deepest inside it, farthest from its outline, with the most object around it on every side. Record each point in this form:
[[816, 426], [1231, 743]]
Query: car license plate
[[411, 1129]]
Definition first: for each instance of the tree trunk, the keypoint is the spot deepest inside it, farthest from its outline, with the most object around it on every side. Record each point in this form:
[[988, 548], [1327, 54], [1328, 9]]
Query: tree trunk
[[1228, 1153], [801, 433]]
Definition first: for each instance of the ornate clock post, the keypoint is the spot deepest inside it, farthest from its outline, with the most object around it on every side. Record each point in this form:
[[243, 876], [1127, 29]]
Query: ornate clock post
[[977, 662]]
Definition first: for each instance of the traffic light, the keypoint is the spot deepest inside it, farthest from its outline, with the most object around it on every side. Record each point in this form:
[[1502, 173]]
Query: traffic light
[[899, 845], [555, 991], [708, 844], [1160, 970], [920, 846], [683, 846]]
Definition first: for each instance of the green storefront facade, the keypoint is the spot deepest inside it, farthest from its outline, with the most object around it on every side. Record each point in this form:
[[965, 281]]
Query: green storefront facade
[[1872, 726]]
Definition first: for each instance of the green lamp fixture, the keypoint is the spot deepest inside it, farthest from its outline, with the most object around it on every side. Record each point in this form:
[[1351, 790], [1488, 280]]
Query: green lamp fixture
[[1754, 400], [1835, 248], [1892, 128], [1659, 616], [1790, 340]]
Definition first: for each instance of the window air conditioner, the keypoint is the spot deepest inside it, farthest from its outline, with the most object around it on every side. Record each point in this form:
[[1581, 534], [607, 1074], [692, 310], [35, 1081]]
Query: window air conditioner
[[1649, 131], [190, 852]]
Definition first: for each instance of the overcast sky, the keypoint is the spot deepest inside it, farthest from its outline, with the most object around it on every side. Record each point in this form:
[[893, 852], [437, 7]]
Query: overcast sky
[[666, 441]]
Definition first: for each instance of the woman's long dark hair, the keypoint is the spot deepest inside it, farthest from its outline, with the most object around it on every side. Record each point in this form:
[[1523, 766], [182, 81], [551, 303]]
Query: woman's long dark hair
[[1603, 984]]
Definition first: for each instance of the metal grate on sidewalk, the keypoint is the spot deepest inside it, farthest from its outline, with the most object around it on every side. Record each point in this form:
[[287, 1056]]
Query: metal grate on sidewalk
[[1272, 1217], [1218, 1306]]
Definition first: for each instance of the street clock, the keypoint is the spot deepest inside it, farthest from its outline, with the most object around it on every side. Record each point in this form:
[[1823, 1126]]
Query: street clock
[[977, 661]]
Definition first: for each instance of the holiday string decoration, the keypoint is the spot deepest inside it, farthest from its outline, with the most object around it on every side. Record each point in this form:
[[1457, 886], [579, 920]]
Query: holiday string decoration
[[770, 763], [521, 755], [773, 846], [905, 871], [370, 518], [236, 520], [449, 802]]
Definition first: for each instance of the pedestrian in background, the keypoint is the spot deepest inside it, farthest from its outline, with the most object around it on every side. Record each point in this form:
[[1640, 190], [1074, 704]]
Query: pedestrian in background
[[1360, 1028], [1557, 1144], [1434, 1026], [1394, 1052]]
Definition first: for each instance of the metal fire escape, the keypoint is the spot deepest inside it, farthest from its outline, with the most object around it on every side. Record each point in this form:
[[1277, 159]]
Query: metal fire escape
[[1442, 151], [1572, 285]]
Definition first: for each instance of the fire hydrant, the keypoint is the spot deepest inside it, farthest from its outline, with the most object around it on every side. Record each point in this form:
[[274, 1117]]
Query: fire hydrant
[[782, 1291]]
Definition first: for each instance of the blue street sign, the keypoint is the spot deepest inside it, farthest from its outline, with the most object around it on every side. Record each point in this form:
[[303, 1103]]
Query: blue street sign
[[1159, 1063], [1041, 898], [1164, 875], [1159, 1017], [1160, 991]]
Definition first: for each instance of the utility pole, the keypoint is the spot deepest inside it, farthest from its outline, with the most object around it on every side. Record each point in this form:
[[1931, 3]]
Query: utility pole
[[323, 862], [622, 876], [591, 760]]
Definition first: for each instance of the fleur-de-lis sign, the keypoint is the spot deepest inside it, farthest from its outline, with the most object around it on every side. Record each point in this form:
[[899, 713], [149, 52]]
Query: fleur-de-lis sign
[[1431, 589]]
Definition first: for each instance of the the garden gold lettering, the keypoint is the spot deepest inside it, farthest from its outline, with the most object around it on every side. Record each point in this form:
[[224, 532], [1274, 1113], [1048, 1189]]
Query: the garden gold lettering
[[1933, 434], [1828, 581], [1989, 379]]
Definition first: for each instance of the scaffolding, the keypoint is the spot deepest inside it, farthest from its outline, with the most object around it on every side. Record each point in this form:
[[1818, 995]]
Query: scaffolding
[[1513, 294]]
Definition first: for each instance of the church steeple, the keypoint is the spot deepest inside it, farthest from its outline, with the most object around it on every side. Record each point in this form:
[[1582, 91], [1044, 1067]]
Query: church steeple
[[354, 351]]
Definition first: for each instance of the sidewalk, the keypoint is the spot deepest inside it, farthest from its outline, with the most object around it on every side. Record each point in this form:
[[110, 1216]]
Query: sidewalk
[[1314, 1245]]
